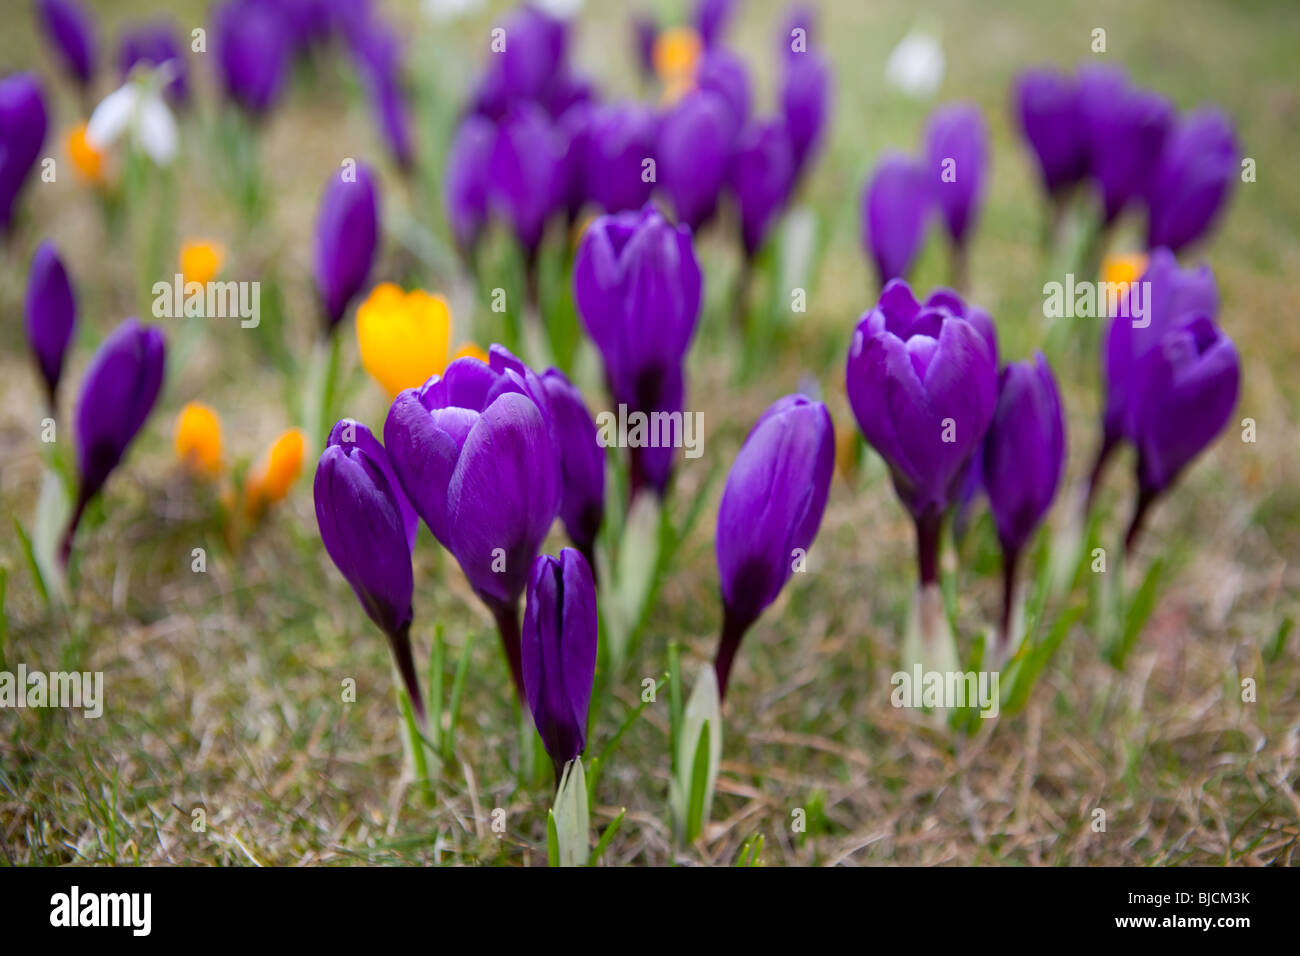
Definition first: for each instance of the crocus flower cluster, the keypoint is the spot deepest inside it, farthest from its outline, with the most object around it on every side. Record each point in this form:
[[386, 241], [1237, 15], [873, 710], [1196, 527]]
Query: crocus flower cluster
[[22, 132], [638, 288], [903, 193], [771, 508], [117, 394], [1131, 147], [1171, 379]]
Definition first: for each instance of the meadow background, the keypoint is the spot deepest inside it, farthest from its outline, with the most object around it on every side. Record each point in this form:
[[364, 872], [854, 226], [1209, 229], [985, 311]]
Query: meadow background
[[222, 689]]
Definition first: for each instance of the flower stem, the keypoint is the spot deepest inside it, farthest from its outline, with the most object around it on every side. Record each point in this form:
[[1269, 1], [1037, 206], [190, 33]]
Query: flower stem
[[401, 647], [1010, 561], [927, 547], [507, 618], [734, 627], [65, 546], [1108, 444], [1146, 497]]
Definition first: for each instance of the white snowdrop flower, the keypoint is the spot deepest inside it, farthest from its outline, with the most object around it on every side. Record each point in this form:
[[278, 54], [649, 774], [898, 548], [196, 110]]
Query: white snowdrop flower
[[136, 109], [443, 11]]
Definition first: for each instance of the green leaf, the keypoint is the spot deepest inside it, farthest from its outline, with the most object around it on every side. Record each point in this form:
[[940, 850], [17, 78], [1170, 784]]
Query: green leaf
[[699, 784], [552, 840], [699, 752], [572, 820], [457, 687], [606, 838], [26, 544], [1137, 613], [53, 510]]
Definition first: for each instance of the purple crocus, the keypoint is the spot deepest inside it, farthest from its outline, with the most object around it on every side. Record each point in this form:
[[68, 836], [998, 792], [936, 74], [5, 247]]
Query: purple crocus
[[117, 393], [477, 453], [368, 529], [51, 313], [645, 32], [378, 55], [695, 139], [619, 138], [638, 288], [71, 32], [711, 20], [526, 173], [347, 233], [1048, 110], [922, 383], [533, 57], [771, 508], [252, 52], [582, 463], [722, 72], [559, 652], [154, 44], [1185, 390], [957, 157], [465, 186], [22, 132], [1168, 295], [1127, 128], [761, 177], [1022, 462], [895, 207], [1192, 179], [805, 97]]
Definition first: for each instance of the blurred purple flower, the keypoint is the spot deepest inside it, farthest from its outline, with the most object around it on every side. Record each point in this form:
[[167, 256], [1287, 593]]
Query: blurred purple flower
[[347, 235], [154, 44], [1048, 109], [50, 308], [252, 52], [762, 175], [22, 132], [582, 462], [895, 207], [1192, 179], [693, 151], [957, 133], [620, 137], [1127, 128], [805, 104], [71, 32]]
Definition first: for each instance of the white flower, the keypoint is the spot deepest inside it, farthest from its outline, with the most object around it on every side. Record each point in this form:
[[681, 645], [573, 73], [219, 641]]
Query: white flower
[[137, 108], [560, 9], [916, 65], [441, 11]]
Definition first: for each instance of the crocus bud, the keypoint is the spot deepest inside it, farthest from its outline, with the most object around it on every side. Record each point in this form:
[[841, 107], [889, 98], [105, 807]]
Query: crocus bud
[[559, 652], [51, 313], [638, 287], [618, 139], [711, 19], [1186, 387], [465, 183], [533, 56], [957, 156], [200, 260], [270, 479], [154, 44], [117, 393], [1024, 451], [922, 383], [403, 337], [771, 508], [361, 515], [22, 131], [252, 50], [762, 174], [71, 32], [895, 207], [724, 73], [198, 440], [582, 462], [347, 233], [526, 173], [805, 104], [695, 139], [377, 52], [1127, 128], [1192, 179], [476, 452], [644, 33], [1047, 107]]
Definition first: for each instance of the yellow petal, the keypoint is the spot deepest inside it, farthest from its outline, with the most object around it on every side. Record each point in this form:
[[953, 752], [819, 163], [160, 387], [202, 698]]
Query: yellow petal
[[86, 160], [198, 439], [470, 350], [270, 480], [200, 261], [676, 55], [403, 338]]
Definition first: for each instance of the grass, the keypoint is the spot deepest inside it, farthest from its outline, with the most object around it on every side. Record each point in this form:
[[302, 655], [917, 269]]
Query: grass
[[224, 689]]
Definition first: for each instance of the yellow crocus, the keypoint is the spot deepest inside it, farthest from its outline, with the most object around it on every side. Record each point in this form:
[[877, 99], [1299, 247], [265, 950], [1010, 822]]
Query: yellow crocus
[[403, 337], [1121, 271], [86, 160], [274, 474], [676, 56], [200, 260], [198, 439], [470, 350]]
